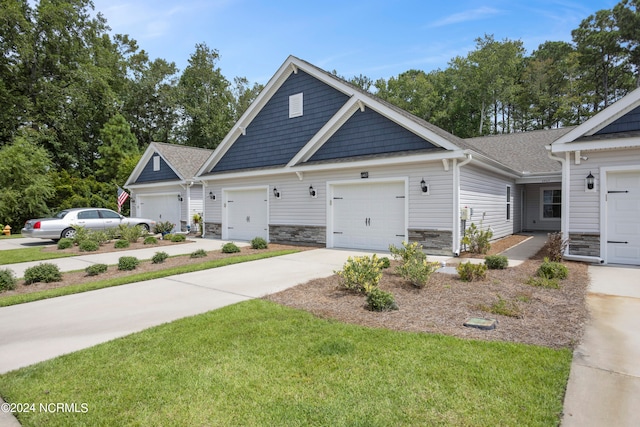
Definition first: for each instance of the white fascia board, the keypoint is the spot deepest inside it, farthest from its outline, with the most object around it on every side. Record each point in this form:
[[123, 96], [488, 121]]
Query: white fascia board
[[155, 184], [600, 120], [146, 157], [600, 144], [420, 158], [540, 179]]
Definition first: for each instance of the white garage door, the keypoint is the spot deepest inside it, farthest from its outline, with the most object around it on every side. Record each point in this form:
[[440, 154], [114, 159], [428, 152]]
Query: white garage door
[[623, 218], [161, 208], [368, 216], [247, 215]]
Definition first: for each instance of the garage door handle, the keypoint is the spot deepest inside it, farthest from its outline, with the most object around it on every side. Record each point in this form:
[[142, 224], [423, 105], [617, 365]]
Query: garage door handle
[[616, 241], [337, 232]]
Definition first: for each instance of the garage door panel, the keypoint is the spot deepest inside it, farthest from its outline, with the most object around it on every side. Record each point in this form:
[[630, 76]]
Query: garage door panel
[[623, 218], [368, 216], [160, 208]]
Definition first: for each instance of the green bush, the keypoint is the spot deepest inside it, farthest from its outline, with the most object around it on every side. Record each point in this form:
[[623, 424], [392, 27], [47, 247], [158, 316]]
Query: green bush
[[98, 236], [379, 300], [65, 243], [7, 280], [159, 257], [385, 262], [552, 270], [45, 272], [167, 237], [89, 246], [178, 238], [555, 246], [496, 262], [469, 272], [150, 240], [544, 282], [95, 269], [131, 233], [417, 270], [476, 239], [112, 233], [128, 263], [361, 274], [407, 252], [230, 248], [121, 244], [200, 253], [82, 234], [259, 243], [504, 307], [164, 227]]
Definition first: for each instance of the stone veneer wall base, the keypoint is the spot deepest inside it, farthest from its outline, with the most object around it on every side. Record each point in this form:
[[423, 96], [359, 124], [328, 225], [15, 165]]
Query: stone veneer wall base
[[298, 234], [434, 242], [584, 244]]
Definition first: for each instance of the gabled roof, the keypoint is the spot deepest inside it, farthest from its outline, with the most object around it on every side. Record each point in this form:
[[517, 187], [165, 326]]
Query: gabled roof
[[524, 152], [357, 100], [597, 134], [185, 161]]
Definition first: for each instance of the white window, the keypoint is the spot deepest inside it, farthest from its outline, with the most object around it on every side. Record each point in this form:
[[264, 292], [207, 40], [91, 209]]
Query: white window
[[295, 105], [156, 163], [508, 202], [551, 203]]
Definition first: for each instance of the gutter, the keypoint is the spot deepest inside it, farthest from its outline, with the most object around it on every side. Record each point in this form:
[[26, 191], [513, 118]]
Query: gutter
[[456, 203]]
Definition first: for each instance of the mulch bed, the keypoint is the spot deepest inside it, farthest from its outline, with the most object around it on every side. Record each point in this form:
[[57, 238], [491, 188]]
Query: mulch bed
[[548, 317]]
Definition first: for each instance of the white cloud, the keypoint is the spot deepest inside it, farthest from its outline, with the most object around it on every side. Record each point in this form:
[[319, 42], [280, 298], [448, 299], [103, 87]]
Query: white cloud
[[466, 16]]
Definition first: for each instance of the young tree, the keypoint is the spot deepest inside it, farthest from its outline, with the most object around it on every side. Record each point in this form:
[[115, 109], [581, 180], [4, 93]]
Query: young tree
[[118, 144]]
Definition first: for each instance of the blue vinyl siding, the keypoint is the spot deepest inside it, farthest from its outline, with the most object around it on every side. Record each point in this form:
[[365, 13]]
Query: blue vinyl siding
[[627, 123], [164, 174], [368, 133], [272, 138]]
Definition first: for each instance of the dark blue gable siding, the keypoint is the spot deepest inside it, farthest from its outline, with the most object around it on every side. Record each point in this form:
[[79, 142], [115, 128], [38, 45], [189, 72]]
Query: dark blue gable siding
[[627, 123], [368, 133], [164, 174], [273, 138]]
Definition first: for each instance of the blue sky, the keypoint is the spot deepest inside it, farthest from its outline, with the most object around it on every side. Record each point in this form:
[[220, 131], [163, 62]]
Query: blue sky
[[379, 39]]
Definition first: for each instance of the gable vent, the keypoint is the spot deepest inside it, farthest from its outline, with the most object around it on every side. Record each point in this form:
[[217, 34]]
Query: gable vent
[[295, 105]]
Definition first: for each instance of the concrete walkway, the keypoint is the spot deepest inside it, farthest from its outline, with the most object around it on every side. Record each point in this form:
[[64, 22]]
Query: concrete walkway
[[604, 384]]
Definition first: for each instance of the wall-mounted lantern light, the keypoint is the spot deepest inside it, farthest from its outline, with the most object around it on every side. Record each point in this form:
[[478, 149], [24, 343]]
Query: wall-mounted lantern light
[[211, 195], [423, 186], [179, 197], [312, 192], [276, 193], [590, 181]]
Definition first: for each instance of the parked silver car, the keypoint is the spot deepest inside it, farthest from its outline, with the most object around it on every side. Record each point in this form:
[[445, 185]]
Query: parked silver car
[[61, 225]]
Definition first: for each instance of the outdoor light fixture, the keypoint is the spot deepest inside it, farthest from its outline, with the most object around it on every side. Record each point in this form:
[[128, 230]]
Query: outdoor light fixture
[[276, 193], [211, 195], [423, 186], [179, 197], [590, 181], [312, 191]]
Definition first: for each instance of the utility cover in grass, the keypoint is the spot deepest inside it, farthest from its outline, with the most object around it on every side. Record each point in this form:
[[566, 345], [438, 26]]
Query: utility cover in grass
[[480, 323]]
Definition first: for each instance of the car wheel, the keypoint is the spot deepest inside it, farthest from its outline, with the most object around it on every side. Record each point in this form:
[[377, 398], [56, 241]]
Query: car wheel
[[68, 233], [146, 227]]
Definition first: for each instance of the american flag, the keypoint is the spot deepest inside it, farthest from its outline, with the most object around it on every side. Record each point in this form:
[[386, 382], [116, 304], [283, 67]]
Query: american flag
[[122, 197]]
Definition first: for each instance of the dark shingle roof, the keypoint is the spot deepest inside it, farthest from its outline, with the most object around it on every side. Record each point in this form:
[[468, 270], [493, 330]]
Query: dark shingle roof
[[185, 160], [523, 151]]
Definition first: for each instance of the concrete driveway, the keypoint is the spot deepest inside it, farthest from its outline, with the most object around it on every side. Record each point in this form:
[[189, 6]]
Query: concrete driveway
[[604, 384]]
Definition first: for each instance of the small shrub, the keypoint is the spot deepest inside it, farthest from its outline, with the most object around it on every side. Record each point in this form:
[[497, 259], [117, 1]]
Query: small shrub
[[417, 271], [496, 262], [98, 236], [469, 272], [121, 244], [386, 263], [379, 300], [7, 280], [555, 246], [127, 263], [361, 273], [159, 257], [476, 239], [407, 252], [45, 272], [230, 248], [111, 233], [95, 269], [178, 238], [150, 240], [544, 282], [200, 253], [504, 307], [82, 233], [259, 243], [167, 237], [163, 227], [88, 246], [552, 270], [65, 243], [131, 233]]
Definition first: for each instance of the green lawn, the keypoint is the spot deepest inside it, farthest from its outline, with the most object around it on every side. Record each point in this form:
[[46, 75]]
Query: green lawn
[[14, 256], [260, 364]]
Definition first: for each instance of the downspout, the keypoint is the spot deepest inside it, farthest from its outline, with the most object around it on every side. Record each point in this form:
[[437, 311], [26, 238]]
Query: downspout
[[564, 222], [456, 203], [204, 207]]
